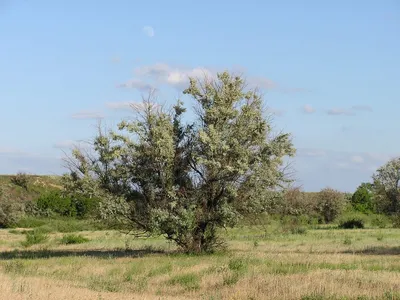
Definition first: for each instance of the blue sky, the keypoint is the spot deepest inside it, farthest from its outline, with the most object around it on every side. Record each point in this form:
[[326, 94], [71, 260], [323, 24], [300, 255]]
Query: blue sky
[[329, 69]]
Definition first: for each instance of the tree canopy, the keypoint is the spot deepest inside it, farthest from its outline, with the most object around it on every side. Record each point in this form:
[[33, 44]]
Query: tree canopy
[[182, 180], [387, 186]]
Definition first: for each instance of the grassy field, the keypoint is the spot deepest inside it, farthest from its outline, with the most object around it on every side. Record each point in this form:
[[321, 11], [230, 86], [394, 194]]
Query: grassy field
[[321, 264]]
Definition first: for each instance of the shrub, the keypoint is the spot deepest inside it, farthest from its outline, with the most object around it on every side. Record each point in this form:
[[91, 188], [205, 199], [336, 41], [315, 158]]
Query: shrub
[[55, 202], [21, 180], [352, 223], [73, 239], [63, 205], [330, 204], [34, 237]]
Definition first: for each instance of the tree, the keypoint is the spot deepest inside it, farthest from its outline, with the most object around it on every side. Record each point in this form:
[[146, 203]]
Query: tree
[[387, 188], [363, 198], [185, 181], [330, 204]]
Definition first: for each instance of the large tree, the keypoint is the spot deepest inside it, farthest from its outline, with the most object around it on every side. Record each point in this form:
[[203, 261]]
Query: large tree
[[387, 186], [185, 181]]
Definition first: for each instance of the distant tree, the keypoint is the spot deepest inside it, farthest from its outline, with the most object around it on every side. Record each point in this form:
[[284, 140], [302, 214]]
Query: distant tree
[[363, 198], [186, 180], [330, 204], [387, 187]]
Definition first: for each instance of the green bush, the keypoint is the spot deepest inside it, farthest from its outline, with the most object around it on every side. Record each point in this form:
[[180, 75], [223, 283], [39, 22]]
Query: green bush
[[73, 239], [55, 202], [34, 237], [352, 223], [70, 206]]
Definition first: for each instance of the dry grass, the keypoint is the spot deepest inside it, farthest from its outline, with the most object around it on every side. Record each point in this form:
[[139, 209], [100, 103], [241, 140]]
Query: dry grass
[[318, 265]]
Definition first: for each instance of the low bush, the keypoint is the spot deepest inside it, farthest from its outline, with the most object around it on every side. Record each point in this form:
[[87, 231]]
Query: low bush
[[34, 237], [73, 239], [55, 202], [352, 223], [351, 219]]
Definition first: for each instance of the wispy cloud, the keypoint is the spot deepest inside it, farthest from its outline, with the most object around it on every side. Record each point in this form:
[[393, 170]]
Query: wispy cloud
[[275, 111], [129, 105], [69, 144], [361, 108], [339, 112], [137, 84], [149, 31], [87, 115], [308, 109], [348, 112]]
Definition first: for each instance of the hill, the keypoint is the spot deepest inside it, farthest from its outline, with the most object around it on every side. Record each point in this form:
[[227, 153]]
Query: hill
[[13, 187]]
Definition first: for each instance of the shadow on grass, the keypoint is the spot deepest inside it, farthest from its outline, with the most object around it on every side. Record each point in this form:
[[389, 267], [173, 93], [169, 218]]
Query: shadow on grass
[[376, 251], [106, 254]]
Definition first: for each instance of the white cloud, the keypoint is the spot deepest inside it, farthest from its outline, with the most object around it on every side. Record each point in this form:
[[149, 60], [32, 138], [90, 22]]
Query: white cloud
[[149, 31], [146, 77], [308, 109], [174, 76], [86, 115]]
